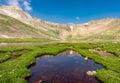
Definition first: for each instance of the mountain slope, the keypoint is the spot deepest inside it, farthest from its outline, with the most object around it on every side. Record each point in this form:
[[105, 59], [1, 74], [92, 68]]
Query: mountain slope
[[105, 29], [46, 28], [16, 23], [12, 28]]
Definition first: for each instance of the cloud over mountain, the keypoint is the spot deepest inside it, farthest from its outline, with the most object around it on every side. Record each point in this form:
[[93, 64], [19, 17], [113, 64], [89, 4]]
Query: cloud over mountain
[[25, 4]]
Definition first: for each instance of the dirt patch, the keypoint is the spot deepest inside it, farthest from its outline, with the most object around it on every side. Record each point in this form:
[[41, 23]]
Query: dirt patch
[[14, 54], [102, 52]]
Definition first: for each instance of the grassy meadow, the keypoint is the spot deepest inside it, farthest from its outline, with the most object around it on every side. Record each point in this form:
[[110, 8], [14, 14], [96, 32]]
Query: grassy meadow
[[15, 60]]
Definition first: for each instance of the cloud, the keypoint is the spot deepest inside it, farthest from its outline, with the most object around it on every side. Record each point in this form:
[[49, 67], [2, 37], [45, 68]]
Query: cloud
[[77, 18], [25, 4], [13, 2]]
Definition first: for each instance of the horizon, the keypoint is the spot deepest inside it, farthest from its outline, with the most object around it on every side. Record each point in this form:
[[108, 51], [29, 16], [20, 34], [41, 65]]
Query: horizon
[[68, 11]]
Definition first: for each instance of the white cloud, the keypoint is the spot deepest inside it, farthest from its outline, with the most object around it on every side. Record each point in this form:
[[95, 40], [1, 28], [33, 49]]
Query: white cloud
[[13, 2], [77, 18], [25, 4]]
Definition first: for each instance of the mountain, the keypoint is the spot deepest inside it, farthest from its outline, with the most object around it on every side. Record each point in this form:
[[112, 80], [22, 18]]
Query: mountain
[[105, 29], [16, 23], [44, 29]]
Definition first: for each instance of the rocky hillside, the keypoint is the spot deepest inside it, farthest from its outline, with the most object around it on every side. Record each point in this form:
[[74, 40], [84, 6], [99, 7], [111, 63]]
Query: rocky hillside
[[12, 28], [15, 23], [105, 29], [45, 29]]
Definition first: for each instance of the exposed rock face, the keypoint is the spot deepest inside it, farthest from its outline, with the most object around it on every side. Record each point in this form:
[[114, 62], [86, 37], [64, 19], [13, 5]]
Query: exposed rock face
[[105, 29], [95, 27], [15, 12]]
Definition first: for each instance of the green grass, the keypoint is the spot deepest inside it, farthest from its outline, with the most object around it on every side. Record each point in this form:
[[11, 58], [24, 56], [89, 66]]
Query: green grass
[[20, 40], [4, 58], [15, 71]]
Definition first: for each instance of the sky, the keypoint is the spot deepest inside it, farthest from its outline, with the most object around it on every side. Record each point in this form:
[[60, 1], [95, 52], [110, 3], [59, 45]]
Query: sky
[[68, 11]]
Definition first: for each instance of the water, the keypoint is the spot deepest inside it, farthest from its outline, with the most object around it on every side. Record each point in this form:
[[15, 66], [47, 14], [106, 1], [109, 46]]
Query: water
[[71, 68]]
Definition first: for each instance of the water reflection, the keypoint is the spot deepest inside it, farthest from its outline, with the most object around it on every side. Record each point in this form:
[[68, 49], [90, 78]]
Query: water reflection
[[63, 69]]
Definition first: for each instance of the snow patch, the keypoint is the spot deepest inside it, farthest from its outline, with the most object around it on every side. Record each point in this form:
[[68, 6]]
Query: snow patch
[[86, 24], [4, 36], [71, 27]]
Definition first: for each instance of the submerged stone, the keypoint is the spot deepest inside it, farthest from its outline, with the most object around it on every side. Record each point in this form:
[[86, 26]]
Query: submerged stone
[[91, 73]]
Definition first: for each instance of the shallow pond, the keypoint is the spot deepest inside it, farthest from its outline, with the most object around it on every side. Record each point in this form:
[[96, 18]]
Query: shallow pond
[[71, 68]]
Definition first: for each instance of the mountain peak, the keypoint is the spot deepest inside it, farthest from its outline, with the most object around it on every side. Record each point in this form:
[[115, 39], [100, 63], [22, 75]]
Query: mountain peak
[[15, 12]]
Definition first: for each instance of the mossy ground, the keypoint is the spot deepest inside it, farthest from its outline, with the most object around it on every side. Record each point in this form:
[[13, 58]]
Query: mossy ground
[[15, 70]]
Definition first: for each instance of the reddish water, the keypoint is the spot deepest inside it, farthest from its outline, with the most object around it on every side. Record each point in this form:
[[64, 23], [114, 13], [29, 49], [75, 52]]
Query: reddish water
[[63, 69]]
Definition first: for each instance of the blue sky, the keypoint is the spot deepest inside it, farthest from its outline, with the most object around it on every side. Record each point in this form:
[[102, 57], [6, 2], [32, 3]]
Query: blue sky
[[69, 11]]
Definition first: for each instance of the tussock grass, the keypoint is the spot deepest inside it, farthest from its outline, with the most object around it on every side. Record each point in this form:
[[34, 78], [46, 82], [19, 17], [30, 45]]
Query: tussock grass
[[15, 71]]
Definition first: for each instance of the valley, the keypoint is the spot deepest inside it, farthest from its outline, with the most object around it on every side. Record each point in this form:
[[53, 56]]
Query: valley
[[36, 51], [16, 23]]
